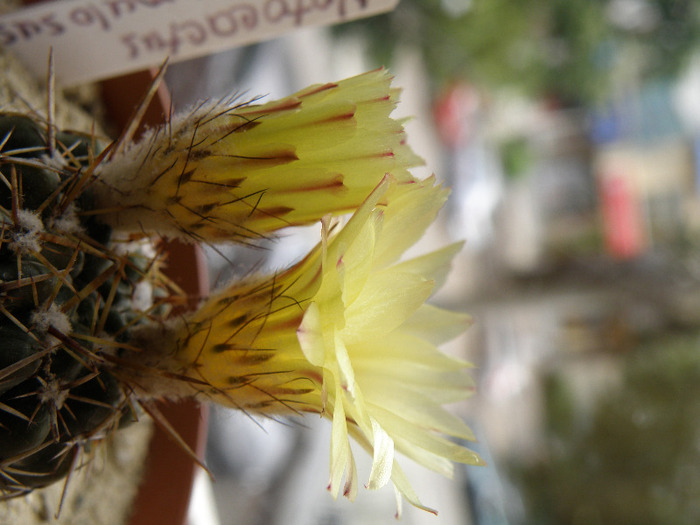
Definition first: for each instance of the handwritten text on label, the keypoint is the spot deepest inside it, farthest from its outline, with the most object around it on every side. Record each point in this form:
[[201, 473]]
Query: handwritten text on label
[[95, 39]]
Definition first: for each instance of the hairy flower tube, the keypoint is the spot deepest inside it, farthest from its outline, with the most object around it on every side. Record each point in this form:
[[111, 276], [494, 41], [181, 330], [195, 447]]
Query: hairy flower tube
[[346, 333], [231, 171]]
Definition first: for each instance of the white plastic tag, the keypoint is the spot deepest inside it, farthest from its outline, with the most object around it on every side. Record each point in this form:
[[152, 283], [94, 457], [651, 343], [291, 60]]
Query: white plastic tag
[[97, 39]]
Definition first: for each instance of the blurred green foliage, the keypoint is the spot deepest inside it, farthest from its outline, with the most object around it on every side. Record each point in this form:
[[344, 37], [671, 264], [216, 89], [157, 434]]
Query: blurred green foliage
[[636, 461], [569, 49], [517, 157]]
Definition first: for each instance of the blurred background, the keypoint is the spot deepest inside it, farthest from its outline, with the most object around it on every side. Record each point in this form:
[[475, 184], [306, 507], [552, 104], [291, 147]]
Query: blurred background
[[569, 131]]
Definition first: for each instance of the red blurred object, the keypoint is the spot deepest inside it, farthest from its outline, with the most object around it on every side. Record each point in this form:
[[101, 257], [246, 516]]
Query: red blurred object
[[454, 114], [623, 224]]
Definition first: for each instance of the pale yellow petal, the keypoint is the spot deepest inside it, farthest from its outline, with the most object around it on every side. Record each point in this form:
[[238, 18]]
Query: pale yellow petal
[[383, 457], [340, 446], [310, 336], [424, 413], [406, 218], [356, 262], [401, 346], [436, 325], [344, 365], [431, 442], [438, 386], [354, 226], [386, 301], [434, 266], [402, 485], [350, 488]]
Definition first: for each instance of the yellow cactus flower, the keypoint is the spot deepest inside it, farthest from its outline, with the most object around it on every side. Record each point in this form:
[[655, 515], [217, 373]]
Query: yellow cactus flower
[[369, 332], [231, 171], [346, 333]]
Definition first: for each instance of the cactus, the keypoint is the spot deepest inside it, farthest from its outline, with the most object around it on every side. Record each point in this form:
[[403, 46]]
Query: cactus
[[85, 307], [69, 293]]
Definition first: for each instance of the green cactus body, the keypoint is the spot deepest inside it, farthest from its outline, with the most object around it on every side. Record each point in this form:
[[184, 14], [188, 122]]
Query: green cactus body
[[67, 293]]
